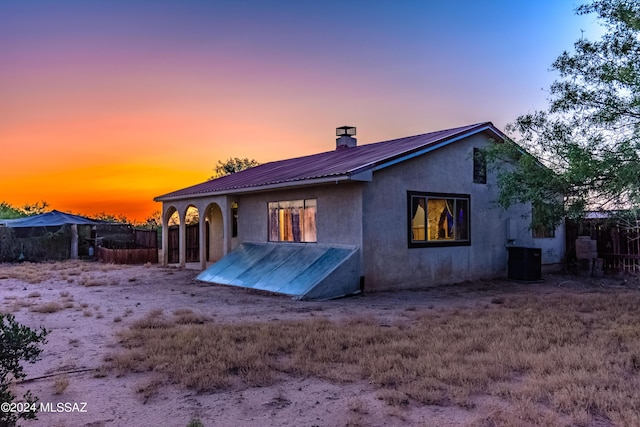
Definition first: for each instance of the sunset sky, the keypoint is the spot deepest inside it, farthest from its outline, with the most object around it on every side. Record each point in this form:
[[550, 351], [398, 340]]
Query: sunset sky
[[105, 104]]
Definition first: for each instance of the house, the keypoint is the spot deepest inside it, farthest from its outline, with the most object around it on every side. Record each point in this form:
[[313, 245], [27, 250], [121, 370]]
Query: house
[[406, 213]]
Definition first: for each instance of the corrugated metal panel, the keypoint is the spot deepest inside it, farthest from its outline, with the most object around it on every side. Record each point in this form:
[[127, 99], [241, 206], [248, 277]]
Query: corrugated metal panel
[[336, 163], [302, 271]]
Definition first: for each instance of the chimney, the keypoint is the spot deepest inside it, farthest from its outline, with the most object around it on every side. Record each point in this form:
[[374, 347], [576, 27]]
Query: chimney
[[346, 139]]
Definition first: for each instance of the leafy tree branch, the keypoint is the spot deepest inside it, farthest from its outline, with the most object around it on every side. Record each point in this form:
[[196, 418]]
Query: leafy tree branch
[[588, 139]]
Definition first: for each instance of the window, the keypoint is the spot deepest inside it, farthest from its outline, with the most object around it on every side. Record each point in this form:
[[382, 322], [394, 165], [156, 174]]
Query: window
[[234, 219], [479, 166], [438, 219], [292, 221]]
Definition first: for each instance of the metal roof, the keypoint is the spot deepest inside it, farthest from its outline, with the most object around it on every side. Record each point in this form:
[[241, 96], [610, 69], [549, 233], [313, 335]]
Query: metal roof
[[49, 219], [336, 165]]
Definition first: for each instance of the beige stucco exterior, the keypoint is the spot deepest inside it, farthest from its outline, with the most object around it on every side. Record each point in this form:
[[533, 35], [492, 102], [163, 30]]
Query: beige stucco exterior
[[389, 261], [373, 216]]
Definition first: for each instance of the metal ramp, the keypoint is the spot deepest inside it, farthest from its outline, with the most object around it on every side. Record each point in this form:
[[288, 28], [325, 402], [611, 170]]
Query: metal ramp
[[302, 271]]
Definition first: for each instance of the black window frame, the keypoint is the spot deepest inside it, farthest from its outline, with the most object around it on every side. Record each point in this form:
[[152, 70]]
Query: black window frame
[[479, 166], [234, 219], [436, 243]]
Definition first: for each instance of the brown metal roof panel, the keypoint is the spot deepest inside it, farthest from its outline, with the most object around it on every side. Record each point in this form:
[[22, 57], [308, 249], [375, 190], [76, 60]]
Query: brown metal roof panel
[[336, 163]]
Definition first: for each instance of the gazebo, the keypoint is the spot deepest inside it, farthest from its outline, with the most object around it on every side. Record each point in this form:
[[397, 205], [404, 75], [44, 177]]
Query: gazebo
[[53, 219]]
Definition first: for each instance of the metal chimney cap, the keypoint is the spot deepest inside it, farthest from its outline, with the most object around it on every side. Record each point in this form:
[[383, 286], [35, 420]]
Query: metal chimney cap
[[346, 131]]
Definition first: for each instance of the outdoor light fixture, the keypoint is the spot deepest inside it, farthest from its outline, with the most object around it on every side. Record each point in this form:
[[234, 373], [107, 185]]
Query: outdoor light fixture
[[346, 131]]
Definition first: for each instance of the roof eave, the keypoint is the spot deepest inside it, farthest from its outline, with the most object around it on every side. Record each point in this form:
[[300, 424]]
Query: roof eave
[[419, 152], [261, 188]]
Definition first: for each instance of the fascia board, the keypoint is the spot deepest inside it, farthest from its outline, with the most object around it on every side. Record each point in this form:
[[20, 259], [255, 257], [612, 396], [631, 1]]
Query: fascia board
[[261, 188], [435, 147]]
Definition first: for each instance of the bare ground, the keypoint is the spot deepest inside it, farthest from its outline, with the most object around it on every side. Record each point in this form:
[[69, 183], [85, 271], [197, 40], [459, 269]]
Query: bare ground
[[91, 303]]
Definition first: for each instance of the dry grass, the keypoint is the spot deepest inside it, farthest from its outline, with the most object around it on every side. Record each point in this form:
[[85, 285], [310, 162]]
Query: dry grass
[[60, 384], [40, 272], [149, 389], [97, 279], [87, 273], [566, 360], [27, 272], [47, 307], [186, 316]]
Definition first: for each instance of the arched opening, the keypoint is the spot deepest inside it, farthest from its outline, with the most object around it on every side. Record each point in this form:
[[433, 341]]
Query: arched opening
[[172, 219], [192, 226], [215, 232]]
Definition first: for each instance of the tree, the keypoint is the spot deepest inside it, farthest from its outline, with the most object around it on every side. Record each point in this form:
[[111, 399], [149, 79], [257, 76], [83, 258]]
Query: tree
[[109, 217], [589, 137], [154, 220], [232, 165], [7, 211], [17, 343], [35, 209]]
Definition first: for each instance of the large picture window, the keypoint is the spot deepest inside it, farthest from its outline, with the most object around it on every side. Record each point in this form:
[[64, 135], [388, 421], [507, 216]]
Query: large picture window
[[292, 221], [437, 219]]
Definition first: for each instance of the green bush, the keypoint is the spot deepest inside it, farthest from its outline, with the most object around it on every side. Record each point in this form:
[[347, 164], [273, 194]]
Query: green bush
[[17, 343]]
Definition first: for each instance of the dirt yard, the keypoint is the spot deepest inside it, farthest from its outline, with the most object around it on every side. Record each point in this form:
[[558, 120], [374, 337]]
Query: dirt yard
[[85, 306]]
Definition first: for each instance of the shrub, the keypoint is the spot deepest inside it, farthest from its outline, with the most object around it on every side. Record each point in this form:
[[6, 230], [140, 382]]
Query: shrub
[[17, 343]]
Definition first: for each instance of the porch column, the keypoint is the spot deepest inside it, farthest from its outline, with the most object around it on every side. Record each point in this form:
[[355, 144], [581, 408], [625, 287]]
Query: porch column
[[165, 243], [74, 241], [183, 242], [202, 234], [226, 226]]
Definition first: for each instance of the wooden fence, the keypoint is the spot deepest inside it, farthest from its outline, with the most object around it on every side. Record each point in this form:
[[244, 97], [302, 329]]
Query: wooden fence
[[625, 249], [618, 244], [128, 256], [145, 238], [145, 250]]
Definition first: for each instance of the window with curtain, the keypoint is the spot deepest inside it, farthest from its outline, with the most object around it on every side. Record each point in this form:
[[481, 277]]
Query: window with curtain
[[437, 219], [292, 221]]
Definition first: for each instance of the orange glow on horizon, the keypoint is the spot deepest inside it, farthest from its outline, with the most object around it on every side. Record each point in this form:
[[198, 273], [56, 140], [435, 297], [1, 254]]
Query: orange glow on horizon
[[106, 105]]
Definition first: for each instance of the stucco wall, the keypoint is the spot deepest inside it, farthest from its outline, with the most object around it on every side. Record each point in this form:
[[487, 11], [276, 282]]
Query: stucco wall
[[338, 216], [388, 261]]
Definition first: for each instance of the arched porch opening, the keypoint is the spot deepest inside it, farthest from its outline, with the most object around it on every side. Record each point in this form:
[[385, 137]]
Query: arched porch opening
[[172, 219], [214, 233], [192, 234]]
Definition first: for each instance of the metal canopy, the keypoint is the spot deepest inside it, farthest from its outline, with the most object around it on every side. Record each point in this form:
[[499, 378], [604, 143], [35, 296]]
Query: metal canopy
[[49, 219], [302, 271]]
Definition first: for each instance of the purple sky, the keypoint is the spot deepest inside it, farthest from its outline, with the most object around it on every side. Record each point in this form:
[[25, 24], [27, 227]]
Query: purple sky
[[131, 99]]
